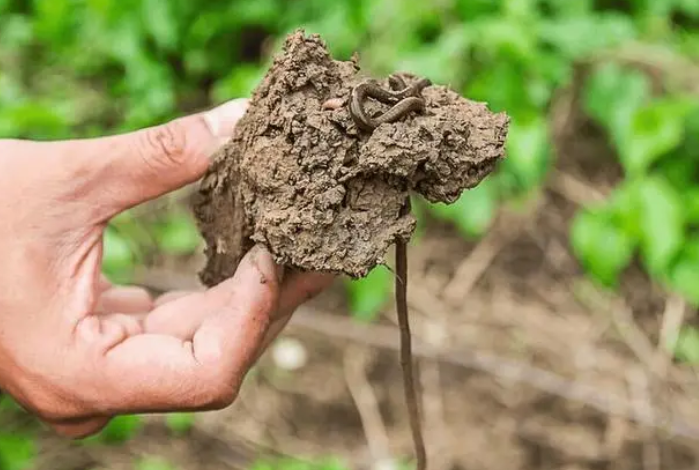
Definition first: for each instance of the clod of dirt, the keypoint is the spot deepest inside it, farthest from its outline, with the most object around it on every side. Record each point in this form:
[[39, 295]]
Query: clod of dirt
[[301, 178]]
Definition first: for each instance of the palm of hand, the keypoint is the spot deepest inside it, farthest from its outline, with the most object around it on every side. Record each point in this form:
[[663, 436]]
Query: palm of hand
[[75, 349]]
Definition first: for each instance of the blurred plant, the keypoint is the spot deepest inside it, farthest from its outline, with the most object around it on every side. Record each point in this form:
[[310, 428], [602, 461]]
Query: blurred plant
[[119, 430], [652, 214], [646, 213], [153, 463], [180, 423], [17, 451], [368, 296], [17, 447], [686, 346]]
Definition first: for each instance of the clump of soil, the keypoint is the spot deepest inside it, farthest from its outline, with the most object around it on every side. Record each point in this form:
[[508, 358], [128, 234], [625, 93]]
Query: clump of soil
[[301, 178]]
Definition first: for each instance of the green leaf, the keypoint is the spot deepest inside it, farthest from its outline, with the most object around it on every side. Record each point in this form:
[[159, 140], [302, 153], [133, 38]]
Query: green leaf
[[419, 208], [655, 129], [333, 464], [240, 82], [625, 208], [8, 404], [35, 120], [528, 152], [662, 223], [180, 423], [570, 7], [119, 430], [680, 170], [434, 62], [118, 258], [581, 35], [500, 85], [17, 452], [179, 235], [124, 42], [689, 8], [264, 465], [687, 345], [657, 9], [612, 95], [340, 34], [691, 205], [469, 9], [15, 32], [511, 40], [161, 22], [53, 19], [473, 212], [368, 295], [683, 276], [603, 248], [259, 12]]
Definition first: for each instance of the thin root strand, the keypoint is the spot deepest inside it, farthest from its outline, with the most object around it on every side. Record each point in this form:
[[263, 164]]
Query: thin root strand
[[406, 355]]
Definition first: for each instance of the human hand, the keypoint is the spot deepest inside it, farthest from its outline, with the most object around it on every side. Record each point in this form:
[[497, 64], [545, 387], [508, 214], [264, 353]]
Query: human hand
[[77, 351]]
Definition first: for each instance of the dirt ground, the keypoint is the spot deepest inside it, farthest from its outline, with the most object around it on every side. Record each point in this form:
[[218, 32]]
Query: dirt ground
[[523, 363]]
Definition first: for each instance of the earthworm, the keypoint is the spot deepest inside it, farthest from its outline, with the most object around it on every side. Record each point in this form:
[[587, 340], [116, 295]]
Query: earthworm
[[407, 99], [399, 110]]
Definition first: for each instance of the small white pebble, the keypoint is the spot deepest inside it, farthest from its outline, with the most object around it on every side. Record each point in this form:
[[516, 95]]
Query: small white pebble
[[289, 354], [435, 334], [333, 103]]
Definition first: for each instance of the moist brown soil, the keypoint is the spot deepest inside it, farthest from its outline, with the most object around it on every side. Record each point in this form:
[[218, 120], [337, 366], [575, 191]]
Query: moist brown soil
[[301, 178]]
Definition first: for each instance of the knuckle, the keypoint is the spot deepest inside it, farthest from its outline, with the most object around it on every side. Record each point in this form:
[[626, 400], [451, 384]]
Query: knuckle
[[218, 392], [165, 145], [54, 404], [52, 409]]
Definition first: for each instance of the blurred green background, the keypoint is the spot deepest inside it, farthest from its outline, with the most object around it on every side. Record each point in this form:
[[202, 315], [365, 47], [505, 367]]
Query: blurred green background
[[78, 68]]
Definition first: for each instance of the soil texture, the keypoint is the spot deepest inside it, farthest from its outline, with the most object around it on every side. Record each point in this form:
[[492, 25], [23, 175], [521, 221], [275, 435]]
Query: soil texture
[[300, 177]]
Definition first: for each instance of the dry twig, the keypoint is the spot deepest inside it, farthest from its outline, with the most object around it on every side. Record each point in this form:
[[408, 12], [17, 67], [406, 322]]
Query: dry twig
[[575, 190], [355, 360], [673, 317], [473, 267], [638, 382], [549, 382]]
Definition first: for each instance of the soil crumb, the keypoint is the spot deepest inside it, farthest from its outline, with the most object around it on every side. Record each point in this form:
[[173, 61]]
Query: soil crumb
[[319, 192]]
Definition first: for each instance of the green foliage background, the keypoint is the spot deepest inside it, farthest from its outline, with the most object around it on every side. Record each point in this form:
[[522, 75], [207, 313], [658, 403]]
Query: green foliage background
[[78, 68]]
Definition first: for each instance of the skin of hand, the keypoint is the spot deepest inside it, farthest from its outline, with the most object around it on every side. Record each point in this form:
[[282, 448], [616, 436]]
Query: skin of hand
[[77, 351]]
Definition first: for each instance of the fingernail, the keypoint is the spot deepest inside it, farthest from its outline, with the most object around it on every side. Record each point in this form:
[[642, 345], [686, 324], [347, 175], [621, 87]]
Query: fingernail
[[223, 119], [266, 265]]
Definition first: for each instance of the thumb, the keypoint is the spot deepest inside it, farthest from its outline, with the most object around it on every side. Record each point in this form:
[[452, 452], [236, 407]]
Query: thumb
[[132, 168]]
